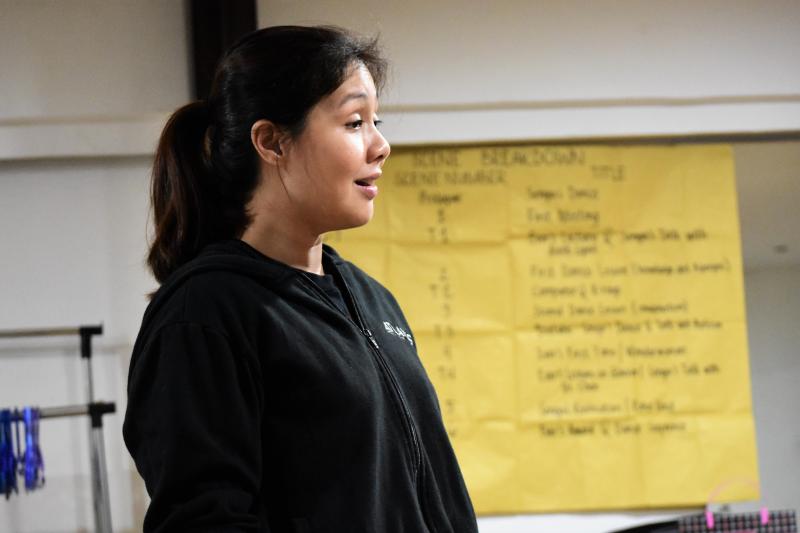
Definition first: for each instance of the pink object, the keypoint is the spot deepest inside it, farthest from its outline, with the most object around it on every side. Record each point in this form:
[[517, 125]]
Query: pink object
[[764, 516], [710, 519]]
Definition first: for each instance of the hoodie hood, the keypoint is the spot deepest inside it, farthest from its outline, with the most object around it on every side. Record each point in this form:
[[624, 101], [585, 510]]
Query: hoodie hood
[[226, 256]]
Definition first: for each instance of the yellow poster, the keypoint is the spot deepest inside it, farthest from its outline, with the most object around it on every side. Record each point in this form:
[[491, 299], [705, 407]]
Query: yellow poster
[[580, 311]]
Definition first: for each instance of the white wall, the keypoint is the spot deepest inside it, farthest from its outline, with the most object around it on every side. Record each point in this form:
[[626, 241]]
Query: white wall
[[519, 69], [73, 240], [88, 81], [73, 58], [773, 311], [89, 78]]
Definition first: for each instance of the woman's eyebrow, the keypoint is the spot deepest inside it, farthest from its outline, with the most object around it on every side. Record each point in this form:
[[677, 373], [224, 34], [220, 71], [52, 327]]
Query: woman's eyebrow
[[353, 96]]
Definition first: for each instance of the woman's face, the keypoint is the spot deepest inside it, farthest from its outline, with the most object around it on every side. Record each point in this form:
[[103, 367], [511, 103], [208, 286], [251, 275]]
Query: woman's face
[[330, 170]]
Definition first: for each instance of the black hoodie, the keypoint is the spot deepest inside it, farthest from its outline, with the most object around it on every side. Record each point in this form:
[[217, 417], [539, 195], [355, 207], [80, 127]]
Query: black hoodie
[[256, 404]]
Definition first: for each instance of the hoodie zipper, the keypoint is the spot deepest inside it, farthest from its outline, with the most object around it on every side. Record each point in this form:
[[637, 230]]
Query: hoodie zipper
[[406, 414], [408, 422]]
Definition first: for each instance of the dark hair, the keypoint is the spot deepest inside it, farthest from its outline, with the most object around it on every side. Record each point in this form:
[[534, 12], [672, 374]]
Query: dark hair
[[205, 168]]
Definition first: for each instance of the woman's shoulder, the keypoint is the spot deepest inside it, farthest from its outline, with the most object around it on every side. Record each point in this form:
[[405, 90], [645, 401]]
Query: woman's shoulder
[[221, 279], [213, 298], [219, 289]]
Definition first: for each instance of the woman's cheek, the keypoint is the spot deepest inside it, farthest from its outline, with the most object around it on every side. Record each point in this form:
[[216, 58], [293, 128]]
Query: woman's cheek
[[353, 154]]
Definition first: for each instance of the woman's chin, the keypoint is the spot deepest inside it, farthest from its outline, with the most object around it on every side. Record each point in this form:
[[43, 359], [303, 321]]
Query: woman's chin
[[362, 217], [354, 220]]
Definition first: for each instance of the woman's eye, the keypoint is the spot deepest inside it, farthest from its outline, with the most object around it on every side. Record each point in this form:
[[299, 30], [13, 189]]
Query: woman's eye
[[356, 124]]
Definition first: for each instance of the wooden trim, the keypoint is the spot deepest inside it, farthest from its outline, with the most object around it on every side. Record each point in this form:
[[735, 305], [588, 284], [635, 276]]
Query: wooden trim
[[214, 26]]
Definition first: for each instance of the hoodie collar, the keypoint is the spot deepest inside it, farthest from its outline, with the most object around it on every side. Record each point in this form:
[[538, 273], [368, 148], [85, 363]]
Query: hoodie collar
[[232, 255]]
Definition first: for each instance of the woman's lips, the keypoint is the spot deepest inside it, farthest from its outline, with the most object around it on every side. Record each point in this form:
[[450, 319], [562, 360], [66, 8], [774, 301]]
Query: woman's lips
[[367, 186]]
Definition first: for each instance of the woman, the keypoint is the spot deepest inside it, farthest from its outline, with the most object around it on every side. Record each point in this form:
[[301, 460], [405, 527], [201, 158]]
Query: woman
[[264, 392]]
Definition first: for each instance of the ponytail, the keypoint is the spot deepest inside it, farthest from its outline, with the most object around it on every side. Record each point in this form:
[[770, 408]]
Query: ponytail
[[179, 190]]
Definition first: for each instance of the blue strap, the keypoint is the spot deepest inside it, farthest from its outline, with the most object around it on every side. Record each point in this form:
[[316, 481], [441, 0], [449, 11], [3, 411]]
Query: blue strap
[[8, 460], [34, 464]]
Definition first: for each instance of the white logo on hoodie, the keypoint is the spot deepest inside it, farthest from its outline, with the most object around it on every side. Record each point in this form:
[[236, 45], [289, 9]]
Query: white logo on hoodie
[[399, 332]]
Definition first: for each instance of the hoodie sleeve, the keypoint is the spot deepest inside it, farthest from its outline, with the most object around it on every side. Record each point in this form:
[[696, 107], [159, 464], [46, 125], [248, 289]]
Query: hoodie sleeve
[[193, 427]]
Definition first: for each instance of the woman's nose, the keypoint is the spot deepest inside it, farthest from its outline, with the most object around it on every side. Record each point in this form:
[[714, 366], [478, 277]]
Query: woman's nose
[[380, 147]]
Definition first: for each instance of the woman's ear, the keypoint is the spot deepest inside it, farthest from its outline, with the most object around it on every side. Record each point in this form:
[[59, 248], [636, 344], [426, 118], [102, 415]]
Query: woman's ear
[[266, 138]]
